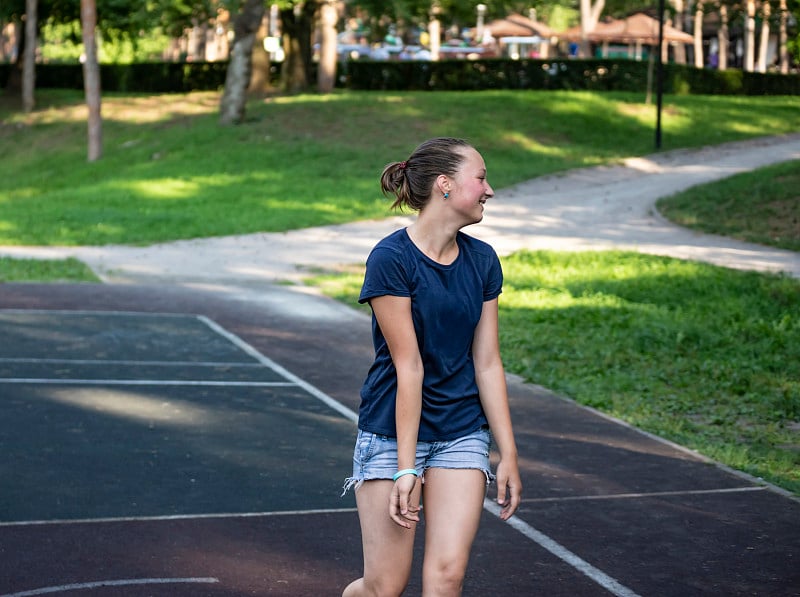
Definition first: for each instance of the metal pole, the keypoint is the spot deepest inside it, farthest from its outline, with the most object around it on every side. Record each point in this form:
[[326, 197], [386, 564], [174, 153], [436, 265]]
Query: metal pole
[[659, 72]]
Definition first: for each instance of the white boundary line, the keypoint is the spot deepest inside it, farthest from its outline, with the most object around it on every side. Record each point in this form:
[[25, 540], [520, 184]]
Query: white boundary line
[[322, 396], [132, 363], [101, 313], [109, 583], [623, 496], [142, 382], [601, 578], [168, 517]]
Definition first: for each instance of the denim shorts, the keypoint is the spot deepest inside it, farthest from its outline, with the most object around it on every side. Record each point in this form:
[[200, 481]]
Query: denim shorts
[[375, 456]]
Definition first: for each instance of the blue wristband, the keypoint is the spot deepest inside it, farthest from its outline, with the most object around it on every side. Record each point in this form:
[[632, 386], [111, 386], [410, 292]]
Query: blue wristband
[[405, 471]]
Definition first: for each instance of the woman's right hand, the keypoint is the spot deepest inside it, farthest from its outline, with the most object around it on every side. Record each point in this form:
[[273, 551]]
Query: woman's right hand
[[401, 508]]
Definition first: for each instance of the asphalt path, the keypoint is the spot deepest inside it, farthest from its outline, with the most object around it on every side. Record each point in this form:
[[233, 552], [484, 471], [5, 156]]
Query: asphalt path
[[607, 510]]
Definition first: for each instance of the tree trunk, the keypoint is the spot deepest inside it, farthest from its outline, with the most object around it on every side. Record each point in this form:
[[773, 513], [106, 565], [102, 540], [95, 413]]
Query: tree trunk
[[326, 73], [590, 15], [679, 49], [722, 37], [260, 74], [698, 35], [750, 36], [237, 77], [29, 56], [782, 39], [763, 48], [296, 27], [91, 79]]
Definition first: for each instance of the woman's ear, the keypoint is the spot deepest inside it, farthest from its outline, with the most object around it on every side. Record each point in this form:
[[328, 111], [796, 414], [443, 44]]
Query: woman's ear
[[443, 184]]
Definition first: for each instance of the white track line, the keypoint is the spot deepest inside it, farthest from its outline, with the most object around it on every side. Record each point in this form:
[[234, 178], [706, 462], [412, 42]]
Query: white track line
[[132, 363], [109, 583], [622, 496], [168, 517], [322, 396], [601, 578], [68, 312], [144, 382]]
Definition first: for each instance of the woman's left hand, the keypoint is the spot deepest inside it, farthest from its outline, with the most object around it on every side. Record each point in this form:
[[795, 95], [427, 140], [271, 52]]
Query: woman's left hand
[[401, 509], [509, 487]]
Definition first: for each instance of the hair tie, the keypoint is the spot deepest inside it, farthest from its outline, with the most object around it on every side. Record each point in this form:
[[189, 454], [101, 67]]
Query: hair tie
[[403, 165]]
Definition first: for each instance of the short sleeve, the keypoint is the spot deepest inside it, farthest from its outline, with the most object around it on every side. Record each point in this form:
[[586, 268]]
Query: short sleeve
[[385, 275], [494, 279]]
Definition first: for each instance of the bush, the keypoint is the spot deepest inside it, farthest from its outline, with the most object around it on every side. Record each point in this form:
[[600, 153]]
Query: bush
[[611, 74]]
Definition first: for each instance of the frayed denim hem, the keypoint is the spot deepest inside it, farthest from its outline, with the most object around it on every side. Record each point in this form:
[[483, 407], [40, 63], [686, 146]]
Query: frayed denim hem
[[351, 483]]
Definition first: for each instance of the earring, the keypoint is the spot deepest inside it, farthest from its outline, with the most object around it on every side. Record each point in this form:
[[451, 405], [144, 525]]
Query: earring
[[446, 195]]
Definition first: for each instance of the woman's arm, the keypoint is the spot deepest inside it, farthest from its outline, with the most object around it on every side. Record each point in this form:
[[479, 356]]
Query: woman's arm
[[393, 314], [491, 380]]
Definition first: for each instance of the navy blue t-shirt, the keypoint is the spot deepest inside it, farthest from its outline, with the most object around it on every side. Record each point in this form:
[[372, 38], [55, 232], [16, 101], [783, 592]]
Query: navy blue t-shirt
[[446, 305]]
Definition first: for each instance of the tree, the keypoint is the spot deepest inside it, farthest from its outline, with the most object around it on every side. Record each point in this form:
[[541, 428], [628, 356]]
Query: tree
[[326, 69], [91, 79], [29, 56], [750, 36], [680, 49], [766, 11], [722, 37], [297, 24], [782, 38], [237, 78], [698, 34], [590, 15]]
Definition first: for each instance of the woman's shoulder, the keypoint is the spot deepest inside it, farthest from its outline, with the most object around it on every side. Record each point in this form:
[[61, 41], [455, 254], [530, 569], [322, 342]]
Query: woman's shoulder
[[476, 245], [397, 240], [393, 247]]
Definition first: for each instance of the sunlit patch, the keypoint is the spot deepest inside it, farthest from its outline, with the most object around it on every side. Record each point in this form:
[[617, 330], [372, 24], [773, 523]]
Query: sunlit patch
[[132, 406], [532, 145], [166, 188]]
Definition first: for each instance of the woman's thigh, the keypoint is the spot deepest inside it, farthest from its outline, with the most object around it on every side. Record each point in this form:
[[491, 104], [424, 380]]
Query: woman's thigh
[[453, 503], [388, 547]]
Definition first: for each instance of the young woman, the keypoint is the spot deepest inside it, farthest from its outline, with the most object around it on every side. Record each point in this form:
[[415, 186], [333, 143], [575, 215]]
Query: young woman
[[437, 385]]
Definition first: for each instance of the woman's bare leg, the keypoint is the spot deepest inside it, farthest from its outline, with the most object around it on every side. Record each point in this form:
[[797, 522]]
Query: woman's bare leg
[[453, 506], [388, 547]]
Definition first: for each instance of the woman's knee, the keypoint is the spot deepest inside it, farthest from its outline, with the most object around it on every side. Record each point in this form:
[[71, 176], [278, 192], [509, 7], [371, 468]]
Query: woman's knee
[[383, 587], [444, 577]]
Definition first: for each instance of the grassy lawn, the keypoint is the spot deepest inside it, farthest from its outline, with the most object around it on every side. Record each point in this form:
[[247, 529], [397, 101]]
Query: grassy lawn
[[44, 270], [760, 207], [705, 356], [170, 172]]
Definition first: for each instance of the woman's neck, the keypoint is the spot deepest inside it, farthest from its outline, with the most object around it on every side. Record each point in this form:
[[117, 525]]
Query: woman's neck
[[435, 241]]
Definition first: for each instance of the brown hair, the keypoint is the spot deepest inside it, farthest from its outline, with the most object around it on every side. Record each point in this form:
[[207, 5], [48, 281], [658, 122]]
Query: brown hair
[[411, 181]]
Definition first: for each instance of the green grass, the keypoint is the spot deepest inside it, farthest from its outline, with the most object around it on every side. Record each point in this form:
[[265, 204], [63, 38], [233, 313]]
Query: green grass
[[761, 206], [705, 356], [170, 172], [45, 270]]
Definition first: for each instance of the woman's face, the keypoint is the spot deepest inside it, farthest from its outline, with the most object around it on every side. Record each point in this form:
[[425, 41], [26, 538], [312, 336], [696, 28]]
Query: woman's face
[[470, 188]]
